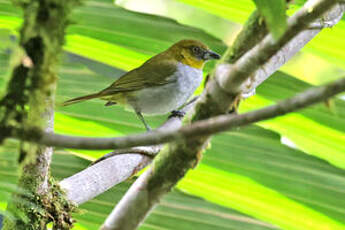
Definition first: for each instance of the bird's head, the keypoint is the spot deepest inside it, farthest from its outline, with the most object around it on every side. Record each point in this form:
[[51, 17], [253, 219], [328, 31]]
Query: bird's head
[[193, 53]]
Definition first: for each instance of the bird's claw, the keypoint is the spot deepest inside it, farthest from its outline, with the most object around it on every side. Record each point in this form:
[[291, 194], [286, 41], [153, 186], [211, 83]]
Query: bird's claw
[[233, 111]]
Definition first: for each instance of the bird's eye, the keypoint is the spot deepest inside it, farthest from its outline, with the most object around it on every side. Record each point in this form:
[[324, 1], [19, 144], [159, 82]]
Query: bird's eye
[[196, 50]]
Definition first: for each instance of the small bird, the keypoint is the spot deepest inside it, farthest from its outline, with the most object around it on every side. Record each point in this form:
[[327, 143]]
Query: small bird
[[162, 84]]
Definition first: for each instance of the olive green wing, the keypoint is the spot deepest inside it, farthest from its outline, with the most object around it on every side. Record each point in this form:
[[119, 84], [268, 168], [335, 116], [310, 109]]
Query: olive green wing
[[151, 73]]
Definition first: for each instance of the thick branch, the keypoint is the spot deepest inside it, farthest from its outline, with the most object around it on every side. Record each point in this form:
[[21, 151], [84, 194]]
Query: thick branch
[[102, 176], [177, 158]]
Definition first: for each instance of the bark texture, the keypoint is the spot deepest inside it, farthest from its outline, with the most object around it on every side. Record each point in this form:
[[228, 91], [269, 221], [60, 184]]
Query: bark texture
[[29, 101]]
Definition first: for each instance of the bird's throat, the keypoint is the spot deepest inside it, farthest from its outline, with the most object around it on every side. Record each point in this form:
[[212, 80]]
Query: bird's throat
[[192, 62], [187, 59]]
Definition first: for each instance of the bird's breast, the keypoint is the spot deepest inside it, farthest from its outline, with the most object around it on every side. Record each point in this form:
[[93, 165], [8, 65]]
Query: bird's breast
[[163, 99]]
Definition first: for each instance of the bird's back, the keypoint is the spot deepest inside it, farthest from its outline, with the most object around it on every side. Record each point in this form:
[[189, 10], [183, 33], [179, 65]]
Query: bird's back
[[154, 72]]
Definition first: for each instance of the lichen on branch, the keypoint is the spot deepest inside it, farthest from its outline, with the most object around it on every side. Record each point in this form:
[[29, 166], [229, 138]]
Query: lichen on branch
[[29, 101]]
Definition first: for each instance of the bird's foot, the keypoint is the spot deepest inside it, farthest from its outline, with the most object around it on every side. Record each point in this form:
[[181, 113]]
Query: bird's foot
[[233, 111], [177, 113]]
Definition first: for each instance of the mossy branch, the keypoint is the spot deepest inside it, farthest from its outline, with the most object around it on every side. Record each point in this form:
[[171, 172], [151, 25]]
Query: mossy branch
[[29, 101]]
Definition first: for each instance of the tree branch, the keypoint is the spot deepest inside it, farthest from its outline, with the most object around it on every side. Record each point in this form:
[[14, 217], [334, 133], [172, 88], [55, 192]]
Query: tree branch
[[96, 177], [284, 53], [200, 128], [214, 125], [254, 63], [110, 171], [114, 168], [177, 158]]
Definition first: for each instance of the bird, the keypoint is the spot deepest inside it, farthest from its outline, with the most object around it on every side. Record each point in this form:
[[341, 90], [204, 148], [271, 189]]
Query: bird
[[160, 85]]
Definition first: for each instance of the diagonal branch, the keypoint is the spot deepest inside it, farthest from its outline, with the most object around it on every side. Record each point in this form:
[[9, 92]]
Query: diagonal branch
[[232, 76], [225, 122], [108, 166], [177, 158]]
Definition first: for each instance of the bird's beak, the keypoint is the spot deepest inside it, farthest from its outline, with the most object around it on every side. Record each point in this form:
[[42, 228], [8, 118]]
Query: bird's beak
[[209, 54]]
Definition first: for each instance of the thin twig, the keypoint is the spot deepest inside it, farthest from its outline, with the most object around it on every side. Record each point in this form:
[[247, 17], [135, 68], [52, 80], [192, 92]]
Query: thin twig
[[197, 129]]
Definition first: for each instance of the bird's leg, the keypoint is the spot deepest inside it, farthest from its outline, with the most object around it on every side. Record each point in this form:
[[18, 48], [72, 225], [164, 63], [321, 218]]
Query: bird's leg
[[191, 101], [234, 107], [148, 128], [177, 113]]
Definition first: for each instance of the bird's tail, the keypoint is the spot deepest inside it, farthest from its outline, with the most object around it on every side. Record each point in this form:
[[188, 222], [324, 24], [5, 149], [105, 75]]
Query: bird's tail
[[80, 99]]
